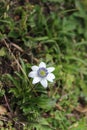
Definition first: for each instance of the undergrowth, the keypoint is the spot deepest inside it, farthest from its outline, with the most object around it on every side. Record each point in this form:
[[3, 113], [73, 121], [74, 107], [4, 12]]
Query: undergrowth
[[53, 31]]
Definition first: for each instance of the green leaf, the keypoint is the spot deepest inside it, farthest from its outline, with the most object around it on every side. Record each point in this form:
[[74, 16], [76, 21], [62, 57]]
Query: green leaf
[[43, 121], [2, 52], [46, 103]]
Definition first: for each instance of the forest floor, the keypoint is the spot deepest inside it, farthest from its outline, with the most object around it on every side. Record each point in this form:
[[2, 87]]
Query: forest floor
[[50, 31]]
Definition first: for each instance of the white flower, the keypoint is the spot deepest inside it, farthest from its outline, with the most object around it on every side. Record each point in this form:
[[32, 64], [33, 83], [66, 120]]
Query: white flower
[[42, 74]]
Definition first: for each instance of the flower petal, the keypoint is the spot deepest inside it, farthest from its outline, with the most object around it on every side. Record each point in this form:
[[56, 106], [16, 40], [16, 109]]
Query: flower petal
[[35, 68], [36, 80], [42, 64], [32, 74], [50, 77], [50, 69], [44, 83]]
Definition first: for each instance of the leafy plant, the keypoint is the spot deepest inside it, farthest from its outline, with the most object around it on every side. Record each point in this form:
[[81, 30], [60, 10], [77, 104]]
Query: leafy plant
[[31, 100]]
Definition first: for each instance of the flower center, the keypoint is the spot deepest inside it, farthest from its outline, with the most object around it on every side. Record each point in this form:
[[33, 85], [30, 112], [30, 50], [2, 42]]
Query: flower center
[[42, 72]]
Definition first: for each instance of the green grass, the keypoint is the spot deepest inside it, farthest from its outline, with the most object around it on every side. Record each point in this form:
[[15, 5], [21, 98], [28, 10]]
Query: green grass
[[53, 31]]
